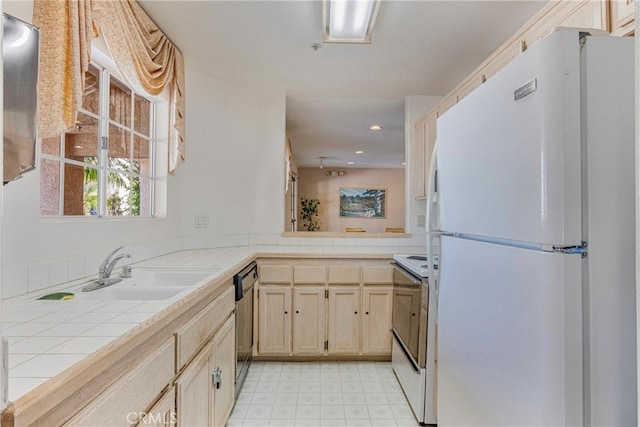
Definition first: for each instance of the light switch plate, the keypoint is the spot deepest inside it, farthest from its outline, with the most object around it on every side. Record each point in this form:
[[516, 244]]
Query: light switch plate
[[421, 220]]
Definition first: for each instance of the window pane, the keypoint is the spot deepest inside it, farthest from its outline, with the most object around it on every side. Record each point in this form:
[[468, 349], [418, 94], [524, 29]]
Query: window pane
[[141, 196], [141, 163], [120, 103], [119, 148], [80, 190], [91, 89], [118, 192], [82, 141], [51, 145], [142, 114], [50, 186]]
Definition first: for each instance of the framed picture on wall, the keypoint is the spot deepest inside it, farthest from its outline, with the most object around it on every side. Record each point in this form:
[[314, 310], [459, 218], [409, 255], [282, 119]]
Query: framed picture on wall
[[363, 203]]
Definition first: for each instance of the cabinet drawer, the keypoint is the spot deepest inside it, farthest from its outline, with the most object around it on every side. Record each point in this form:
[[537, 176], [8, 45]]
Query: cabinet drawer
[[378, 275], [275, 274], [163, 413], [191, 336], [309, 274], [123, 402], [344, 274]]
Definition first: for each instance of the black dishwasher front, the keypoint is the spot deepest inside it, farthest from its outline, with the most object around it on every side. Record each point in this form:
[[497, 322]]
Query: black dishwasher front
[[244, 283]]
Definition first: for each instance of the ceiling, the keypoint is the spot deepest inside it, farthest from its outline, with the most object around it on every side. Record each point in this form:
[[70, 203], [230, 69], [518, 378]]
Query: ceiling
[[335, 93]]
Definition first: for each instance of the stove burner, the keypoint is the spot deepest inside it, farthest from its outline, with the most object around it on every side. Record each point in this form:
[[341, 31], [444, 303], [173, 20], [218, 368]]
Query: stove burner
[[417, 257]]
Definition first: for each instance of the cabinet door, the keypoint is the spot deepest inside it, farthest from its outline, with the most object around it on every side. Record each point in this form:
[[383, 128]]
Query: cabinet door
[[622, 17], [194, 391], [506, 55], [376, 321], [274, 313], [418, 161], [308, 320], [344, 320], [223, 369], [163, 413]]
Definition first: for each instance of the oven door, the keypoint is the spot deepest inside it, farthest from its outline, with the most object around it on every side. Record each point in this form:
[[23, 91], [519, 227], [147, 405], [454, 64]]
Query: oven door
[[409, 317]]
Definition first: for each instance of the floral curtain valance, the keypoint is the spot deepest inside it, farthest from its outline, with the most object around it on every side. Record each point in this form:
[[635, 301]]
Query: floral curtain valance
[[145, 57]]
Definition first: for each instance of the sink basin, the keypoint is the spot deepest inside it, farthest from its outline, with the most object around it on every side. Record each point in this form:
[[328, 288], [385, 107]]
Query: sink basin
[[147, 284], [130, 293], [153, 277]]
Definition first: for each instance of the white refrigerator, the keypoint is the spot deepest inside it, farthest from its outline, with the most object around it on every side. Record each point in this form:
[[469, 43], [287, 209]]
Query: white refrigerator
[[536, 276]]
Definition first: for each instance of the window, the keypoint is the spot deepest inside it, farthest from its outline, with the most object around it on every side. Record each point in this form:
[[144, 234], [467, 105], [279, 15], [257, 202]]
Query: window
[[104, 167]]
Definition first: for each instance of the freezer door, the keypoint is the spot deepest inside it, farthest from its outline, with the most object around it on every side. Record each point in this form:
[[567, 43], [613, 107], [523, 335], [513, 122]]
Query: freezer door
[[509, 153], [509, 336]]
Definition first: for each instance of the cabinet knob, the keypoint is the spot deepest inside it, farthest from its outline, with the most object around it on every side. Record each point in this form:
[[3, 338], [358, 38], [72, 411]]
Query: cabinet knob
[[286, 312], [356, 312], [366, 312], [297, 312]]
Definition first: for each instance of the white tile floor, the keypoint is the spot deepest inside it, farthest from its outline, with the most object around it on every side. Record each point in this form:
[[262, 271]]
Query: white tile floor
[[321, 394]]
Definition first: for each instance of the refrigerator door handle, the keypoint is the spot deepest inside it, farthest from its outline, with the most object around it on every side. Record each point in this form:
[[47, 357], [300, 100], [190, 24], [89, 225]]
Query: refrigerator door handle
[[568, 250], [433, 218]]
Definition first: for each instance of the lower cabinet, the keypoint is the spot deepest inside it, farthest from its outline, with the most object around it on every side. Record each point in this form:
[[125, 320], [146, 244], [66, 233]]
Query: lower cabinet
[[377, 305], [344, 320], [205, 389], [308, 320], [163, 413], [126, 401], [274, 320], [305, 320]]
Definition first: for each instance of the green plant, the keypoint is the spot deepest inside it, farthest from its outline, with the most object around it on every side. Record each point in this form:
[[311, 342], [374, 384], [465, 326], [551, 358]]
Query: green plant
[[309, 213]]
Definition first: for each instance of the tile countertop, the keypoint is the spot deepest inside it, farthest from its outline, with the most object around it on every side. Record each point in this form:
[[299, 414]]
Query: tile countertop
[[47, 337]]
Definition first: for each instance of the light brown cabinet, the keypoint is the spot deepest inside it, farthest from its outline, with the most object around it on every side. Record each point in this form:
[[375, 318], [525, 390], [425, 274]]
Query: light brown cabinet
[[205, 390], [344, 320], [418, 161], [126, 401], [308, 320], [425, 140], [377, 305], [274, 320], [163, 413], [320, 311], [622, 17], [224, 365]]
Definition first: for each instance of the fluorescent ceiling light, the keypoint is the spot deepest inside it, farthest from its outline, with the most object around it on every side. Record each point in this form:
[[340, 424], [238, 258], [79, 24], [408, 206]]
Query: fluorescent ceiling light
[[359, 152], [349, 163], [376, 127], [348, 21]]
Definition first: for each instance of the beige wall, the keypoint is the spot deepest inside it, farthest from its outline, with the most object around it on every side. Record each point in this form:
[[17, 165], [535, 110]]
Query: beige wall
[[313, 183]]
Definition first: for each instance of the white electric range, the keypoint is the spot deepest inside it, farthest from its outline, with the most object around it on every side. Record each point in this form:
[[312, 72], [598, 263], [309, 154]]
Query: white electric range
[[417, 264], [413, 328]]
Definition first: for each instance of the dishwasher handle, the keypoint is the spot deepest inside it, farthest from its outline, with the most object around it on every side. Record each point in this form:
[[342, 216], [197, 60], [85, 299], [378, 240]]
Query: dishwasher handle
[[245, 279]]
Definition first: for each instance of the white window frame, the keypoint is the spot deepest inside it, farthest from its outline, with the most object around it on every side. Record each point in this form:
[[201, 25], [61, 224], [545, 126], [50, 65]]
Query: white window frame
[[107, 70]]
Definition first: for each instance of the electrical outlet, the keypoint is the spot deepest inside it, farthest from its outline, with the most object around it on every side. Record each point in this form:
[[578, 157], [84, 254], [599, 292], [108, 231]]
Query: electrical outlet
[[421, 220], [201, 221]]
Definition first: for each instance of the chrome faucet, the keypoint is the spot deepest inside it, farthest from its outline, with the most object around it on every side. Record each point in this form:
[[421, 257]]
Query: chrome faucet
[[107, 266]]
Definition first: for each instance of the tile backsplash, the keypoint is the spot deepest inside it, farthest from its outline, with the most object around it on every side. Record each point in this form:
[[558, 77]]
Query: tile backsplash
[[34, 277]]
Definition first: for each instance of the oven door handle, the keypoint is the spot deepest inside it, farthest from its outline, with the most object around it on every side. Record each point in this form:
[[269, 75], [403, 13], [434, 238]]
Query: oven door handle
[[408, 275]]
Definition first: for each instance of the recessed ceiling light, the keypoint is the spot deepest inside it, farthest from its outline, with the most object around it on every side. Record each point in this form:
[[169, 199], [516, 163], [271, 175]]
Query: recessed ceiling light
[[359, 152], [349, 163], [404, 163], [376, 127]]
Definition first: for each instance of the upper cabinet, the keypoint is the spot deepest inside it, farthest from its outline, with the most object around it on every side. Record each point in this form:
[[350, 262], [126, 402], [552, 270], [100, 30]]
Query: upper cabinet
[[614, 16], [425, 139], [622, 17], [569, 13]]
